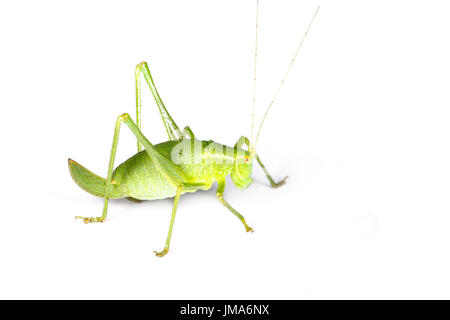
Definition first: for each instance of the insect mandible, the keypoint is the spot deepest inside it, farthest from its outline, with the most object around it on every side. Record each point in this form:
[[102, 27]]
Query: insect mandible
[[177, 166]]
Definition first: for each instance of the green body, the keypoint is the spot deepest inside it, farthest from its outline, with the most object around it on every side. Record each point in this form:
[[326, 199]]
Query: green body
[[139, 177], [180, 165], [169, 169]]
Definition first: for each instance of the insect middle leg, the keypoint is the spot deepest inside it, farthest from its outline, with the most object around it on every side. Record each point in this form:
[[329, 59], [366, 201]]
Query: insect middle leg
[[180, 188], [172, 220]]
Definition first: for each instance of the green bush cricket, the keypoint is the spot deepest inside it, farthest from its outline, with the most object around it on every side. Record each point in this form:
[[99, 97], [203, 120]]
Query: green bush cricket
[[177, 166]]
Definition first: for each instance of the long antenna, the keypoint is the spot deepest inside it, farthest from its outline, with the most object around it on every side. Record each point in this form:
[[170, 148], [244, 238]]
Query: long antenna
[[286, 74], [252, 145]]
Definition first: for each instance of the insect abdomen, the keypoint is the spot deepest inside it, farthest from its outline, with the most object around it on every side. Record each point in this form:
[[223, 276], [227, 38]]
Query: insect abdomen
[[140, 179]]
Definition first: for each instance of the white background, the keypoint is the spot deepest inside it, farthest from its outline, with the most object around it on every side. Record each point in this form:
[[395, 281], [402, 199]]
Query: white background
[[361, 127]]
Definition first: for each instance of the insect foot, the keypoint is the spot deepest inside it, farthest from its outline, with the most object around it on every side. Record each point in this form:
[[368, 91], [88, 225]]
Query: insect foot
[[162, 253], [279, 184], [90, 220], [248, 229]]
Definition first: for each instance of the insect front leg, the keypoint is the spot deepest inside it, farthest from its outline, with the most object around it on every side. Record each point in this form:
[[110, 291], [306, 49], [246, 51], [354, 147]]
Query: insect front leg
[[219, 194], [244, 140], [273, 184]]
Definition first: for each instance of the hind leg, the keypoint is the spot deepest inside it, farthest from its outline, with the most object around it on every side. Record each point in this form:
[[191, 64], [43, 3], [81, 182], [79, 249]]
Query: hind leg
[[170, 170], [172, 129]]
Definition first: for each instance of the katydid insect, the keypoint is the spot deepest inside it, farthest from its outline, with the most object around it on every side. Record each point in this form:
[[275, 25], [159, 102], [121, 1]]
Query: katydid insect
[[177, 166]]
